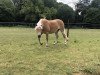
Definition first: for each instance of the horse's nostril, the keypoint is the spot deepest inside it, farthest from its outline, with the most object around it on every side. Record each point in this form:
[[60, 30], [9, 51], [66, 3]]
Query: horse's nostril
[[39, 36]]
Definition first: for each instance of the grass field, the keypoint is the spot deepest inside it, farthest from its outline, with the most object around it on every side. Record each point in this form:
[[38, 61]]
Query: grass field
[[20, 53]]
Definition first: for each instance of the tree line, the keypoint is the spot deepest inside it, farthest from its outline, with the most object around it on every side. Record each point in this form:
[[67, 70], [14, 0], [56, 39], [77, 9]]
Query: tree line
[[33, 10], [86, 11]]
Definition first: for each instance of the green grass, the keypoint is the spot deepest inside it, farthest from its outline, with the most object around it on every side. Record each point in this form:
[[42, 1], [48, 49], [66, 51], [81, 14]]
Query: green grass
[[21, 54]]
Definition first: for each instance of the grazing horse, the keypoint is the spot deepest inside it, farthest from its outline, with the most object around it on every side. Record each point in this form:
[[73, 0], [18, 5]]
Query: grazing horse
[[47, 27]]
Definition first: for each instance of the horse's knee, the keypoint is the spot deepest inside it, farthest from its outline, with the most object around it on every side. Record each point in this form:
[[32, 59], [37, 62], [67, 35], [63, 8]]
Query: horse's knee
[[56, 34], [64, 35]]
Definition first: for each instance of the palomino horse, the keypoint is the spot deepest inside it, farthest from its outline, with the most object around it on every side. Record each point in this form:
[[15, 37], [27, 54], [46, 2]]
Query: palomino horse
[[47, 27]]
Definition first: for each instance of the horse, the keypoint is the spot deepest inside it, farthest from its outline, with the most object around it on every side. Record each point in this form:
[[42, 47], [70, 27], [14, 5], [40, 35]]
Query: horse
[[47, 27]]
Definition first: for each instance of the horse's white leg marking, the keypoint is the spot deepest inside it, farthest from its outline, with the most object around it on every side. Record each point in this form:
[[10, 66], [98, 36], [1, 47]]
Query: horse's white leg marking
[[65, 37], [46, 40], [56, 34]]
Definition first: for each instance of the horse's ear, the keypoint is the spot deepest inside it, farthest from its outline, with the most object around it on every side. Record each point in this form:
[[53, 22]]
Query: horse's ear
[[44, 17]]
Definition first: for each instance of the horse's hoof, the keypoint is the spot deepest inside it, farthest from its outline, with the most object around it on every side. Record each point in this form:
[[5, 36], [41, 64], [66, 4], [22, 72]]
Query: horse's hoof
[[47, 46], [67, 39], [65, 43], [41, 44], [54, 43]]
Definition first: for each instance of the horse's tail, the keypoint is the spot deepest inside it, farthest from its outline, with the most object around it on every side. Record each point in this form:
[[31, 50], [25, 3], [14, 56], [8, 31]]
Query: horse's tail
[[68, 27]]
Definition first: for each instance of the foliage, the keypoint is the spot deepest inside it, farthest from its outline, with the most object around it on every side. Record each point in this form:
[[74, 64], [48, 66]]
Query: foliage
[[81, 7], [6, 11], [92, 15], [87, 11], [65, 12], [95, 4], [50, 3], [33, 10]]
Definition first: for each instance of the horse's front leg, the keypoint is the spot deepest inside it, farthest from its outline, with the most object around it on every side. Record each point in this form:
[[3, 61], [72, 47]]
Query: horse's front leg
[[39, 37], [46, 40]]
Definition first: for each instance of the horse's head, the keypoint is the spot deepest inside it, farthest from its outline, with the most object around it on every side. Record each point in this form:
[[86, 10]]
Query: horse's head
[[39, 28]]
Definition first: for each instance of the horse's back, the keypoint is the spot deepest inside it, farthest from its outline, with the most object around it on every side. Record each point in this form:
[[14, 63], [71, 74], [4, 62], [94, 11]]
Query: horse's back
[[60, 24]]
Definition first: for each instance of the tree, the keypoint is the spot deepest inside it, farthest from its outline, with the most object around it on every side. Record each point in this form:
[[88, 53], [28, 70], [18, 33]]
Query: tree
[[6, 11], [95, 4], [65, 12], [92, 15], [33, 10], [81, 8], [50, 3]]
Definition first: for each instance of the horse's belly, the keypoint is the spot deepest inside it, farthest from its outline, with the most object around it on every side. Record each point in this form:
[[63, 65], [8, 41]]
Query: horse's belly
[[53, 30], [50, 32]]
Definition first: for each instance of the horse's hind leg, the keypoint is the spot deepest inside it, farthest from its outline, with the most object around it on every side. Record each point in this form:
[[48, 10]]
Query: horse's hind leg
[[56, 34], [46, 40], [64, 35]]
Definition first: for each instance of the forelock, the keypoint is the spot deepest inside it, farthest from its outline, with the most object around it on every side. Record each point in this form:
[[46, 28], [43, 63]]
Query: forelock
[[39, 23]]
